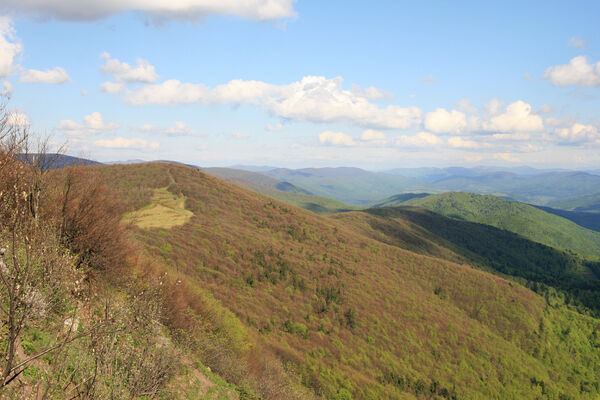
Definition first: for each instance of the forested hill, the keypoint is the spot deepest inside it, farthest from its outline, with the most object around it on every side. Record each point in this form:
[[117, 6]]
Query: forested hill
[[520, 218], [349, 316]]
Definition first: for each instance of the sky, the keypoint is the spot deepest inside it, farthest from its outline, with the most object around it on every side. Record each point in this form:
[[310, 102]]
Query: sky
[[377, 85]]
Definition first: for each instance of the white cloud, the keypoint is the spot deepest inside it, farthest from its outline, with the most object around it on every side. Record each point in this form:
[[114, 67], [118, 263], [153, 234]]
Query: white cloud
[[545, 109], [178, 129], [240, 135], [84, 92], [527, 75], [92, 125], [577, 134], [125, 73], [430, 79], [372, 136], [493, 107], [577, 42], [517, 117], [17, 119], [89, 10], [9, 47], [371, 93], [7, 89], [125, 143], [112, 87], [336, 139], [314, 98], [578, 72], [459, 143], [443, 121], [517, 136], [421, 139], [506, 157], [274, 128], [465, 106], [51, 76]]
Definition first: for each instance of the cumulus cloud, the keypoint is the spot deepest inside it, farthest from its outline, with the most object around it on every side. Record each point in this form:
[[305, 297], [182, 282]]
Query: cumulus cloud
[[577, 42], [443, 121], [125, 143], [9, 47], [465, 106], [517, 117], [313, 98], [373, 137], [336, 139], [577, 134], [421, 139], [493, 107], [90, 10], [178, 129], [459, 143], [51, 76], [112, 87], [578, 72], [125, 73], [92, 125]]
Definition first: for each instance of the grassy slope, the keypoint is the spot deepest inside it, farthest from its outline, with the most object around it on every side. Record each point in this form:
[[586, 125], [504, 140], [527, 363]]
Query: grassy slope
[[525, 220], [358, 317]]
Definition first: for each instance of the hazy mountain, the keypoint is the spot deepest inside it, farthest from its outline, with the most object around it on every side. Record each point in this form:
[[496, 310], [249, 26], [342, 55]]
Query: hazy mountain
[[350, 185]]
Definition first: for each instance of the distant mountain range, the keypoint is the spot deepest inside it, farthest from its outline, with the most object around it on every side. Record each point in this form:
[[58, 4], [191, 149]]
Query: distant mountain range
[[334, 189]]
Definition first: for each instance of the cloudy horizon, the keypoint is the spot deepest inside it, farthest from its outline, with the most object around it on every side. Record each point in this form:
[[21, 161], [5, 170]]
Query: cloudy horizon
[[295, 84]]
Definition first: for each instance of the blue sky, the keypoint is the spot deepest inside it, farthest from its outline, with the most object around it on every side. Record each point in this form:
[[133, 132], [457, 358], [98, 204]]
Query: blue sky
[[376, 85]]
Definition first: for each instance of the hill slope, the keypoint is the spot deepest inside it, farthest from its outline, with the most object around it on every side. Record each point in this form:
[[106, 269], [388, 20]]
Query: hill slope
[[349, 185], [590, 220], [525, 220], [484, 246], [279, 190], [351, 316]]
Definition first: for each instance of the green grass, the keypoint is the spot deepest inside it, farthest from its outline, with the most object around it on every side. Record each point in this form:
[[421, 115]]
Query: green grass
[[165, 210], [523, 219]]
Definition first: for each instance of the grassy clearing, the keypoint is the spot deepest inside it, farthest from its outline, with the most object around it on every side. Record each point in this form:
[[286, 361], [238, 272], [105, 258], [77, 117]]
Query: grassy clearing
[[166, 210]]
